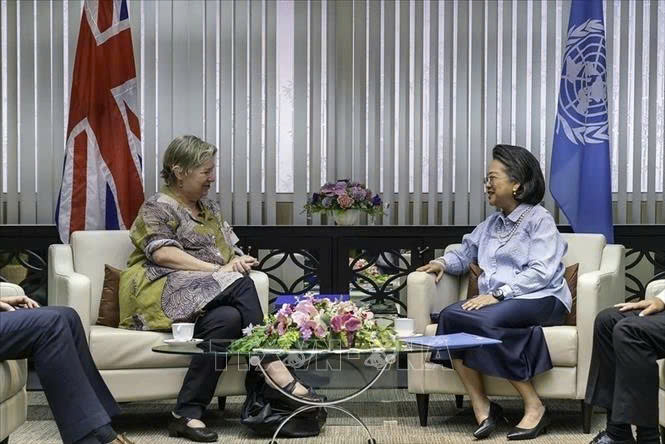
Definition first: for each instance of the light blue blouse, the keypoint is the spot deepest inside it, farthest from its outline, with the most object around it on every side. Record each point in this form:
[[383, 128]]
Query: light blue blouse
[[525, 264]]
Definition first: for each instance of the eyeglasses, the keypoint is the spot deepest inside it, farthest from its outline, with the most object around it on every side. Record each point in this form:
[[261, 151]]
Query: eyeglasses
[[491, 180]]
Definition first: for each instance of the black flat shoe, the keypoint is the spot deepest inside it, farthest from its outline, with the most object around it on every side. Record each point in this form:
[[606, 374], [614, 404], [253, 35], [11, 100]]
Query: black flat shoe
[[488, 424], [517, 433], [275, 396], [179, 428]]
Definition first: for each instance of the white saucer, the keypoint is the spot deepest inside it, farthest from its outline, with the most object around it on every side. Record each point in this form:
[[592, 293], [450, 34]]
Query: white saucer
[[412, 335], [190, 341]]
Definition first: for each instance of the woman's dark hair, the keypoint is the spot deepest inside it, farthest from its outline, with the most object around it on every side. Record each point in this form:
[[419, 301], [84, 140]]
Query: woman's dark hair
[[524, 168]]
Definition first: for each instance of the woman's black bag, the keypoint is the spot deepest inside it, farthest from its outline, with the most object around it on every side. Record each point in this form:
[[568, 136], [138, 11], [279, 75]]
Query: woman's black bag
[[265, 408]]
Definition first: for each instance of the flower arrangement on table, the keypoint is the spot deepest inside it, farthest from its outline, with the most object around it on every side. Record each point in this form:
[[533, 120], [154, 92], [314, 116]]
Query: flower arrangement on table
[[372, 272], [345, 195], [317, 324]]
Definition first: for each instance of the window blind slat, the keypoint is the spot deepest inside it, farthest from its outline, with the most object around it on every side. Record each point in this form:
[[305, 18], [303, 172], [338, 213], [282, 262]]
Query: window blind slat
[[57, 124], [315, 114], [447, 104], [476, 114], [300, 147], [240, 111], [374, 97], [270, 9], [359, 153], [636, 198], [651, 23], [256, 112], [460, 112], [418, 112], [403, 119], [389, 108], [47, 148], [433, 110], [12, 97], [623, 102], [226, 118]]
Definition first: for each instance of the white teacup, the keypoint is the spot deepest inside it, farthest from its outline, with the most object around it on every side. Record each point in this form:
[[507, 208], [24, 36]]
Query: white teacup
[[405, 326], [182, 331]]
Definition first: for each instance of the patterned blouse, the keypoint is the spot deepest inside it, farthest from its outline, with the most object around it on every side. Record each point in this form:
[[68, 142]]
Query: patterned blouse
[[520, 254], [152, 296]]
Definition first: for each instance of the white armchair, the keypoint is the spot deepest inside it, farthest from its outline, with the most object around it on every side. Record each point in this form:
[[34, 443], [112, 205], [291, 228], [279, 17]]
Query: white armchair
[[600, 284], [124, 357], [13, 377]]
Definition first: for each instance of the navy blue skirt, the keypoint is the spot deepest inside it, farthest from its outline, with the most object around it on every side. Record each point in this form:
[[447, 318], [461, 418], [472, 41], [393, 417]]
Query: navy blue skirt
[[517, 322]]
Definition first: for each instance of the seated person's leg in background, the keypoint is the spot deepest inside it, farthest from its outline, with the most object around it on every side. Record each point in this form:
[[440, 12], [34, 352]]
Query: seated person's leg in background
[[623, 376], [79, 399]]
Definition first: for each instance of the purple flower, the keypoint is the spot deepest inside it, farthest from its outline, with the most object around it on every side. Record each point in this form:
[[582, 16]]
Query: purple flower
[[315, 198], [353, 324], [327, 202], [376, 200], [328, 189], [305, 332], [299, 318], [281, 328], [320, 331], [345, 201], [336, 324], [358, 194]]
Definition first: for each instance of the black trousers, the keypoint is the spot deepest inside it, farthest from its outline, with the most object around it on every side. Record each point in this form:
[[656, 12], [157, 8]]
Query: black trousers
[[623, 375], [55, 340], [225, 317]]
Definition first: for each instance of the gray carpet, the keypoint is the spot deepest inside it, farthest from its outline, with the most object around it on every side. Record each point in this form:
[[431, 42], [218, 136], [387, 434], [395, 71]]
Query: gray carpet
[[391, 415]]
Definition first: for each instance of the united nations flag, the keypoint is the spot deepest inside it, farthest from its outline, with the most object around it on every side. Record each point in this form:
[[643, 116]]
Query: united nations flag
[[580, 176]]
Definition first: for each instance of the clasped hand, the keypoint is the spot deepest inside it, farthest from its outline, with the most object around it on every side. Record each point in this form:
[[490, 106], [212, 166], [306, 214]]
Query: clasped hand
[[243, 264], [11, 303]]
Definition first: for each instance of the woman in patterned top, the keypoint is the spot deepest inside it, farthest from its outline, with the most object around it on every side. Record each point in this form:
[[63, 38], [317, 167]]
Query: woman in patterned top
[[521, 288], [186, 269]]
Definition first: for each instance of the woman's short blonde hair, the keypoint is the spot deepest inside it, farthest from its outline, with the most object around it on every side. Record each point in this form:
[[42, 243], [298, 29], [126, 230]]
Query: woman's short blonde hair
[[187, 152]]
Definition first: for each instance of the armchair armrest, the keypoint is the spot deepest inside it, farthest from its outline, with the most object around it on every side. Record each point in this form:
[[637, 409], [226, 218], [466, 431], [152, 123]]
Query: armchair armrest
[[67, 287], [596, 291], [7, 289], [654, 288], [262, 284], [424, 296]]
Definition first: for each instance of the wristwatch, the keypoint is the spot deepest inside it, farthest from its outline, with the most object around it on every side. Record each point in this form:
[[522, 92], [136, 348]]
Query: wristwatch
[[498, 295]]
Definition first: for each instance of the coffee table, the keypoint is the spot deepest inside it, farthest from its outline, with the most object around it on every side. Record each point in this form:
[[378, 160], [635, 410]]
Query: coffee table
[[379, 358]]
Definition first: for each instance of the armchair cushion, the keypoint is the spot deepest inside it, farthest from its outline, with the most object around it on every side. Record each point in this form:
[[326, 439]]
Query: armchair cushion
[[13, 375], [116, 349], [109, 305], [474, 273]]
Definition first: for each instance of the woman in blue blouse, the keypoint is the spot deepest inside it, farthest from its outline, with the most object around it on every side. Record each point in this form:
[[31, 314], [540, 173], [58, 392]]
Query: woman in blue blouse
[[521, 289]]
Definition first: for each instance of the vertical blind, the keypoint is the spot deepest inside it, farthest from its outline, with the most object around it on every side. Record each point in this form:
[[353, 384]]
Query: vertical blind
[[406, 96]]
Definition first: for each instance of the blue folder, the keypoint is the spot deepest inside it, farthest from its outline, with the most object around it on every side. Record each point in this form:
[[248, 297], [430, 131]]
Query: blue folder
[[293, 299], [455, 341]]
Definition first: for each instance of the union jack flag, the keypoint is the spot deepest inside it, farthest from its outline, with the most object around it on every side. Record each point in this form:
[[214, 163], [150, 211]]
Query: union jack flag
[[101, 181]]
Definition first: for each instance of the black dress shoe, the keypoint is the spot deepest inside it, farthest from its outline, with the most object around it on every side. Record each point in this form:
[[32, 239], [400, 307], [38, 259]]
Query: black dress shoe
[[488, 424], [179, 428], [603, 438], [517, 433]]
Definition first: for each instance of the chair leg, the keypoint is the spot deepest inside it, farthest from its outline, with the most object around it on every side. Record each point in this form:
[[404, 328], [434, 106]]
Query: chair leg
[[221, 402], [423, 405], [459, 401], [587, 410]]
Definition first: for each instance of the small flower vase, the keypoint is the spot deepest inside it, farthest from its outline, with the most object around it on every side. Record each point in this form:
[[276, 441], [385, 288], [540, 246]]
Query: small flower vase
[[347, 217]]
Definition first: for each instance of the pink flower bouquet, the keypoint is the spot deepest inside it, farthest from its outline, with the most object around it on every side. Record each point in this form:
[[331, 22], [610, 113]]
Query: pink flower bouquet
[[345, 195], [317, 324]]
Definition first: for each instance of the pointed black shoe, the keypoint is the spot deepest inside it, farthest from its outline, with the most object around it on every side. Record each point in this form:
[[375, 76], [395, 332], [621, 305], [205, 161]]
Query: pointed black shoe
[[179, 428], [488, 424], [603, 438], [517, 434]]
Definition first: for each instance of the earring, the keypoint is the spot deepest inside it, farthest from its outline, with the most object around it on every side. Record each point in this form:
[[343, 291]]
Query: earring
[[515, 192]]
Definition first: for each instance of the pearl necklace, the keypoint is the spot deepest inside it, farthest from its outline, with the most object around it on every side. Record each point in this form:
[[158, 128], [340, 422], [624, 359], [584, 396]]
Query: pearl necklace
[[506, 238]]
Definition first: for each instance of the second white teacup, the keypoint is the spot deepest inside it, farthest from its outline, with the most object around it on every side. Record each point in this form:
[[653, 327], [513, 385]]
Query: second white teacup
[[405, 326], [182, 331]]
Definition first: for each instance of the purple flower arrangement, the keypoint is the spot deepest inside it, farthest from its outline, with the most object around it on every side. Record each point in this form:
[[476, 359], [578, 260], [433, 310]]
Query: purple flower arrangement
[[314, 323], [345, 195]]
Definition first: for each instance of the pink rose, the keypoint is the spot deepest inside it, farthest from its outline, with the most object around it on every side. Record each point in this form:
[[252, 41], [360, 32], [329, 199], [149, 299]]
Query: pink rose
[[345, 201], [299, 318], [353, 324], [336, 324]]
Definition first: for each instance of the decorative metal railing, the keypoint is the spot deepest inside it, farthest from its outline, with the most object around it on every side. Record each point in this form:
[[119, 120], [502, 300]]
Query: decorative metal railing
[[371, 262]]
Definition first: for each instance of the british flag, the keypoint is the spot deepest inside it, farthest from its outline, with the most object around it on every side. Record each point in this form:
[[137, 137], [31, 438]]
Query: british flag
[[101, 181]]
